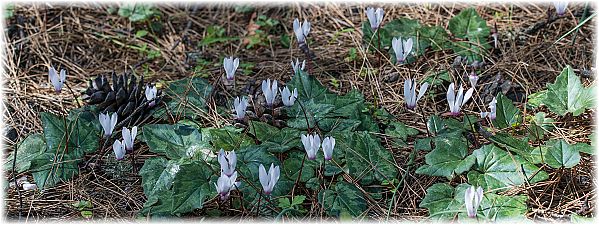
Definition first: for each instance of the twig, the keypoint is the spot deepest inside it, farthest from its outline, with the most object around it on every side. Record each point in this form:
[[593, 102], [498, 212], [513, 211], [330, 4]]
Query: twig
[[14, 177]]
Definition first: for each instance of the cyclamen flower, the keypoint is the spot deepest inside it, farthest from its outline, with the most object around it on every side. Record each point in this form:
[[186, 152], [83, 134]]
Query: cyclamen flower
[[301, 30], [108, 123], [457, 101], [473, 78], [401, 48], [227, 162], [129, 138], [268, 180], [409, 92], [328, 145], [296, 66], [288, 97], [225, 184], [493, 111], [230, 65], [57, 81], [270, 92], [240, 106], [375, 17], [560, 7], [311, 144], [472, 198], [151, 95], [119, 149]]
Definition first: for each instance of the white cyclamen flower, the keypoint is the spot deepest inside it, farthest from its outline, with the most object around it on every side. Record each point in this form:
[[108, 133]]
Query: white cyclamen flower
[[268, 180], [227, 162], [225, 184], [119, 149], [151, 94], [560, 7], [493, 111], [301, 30], [311, 144], [29, 186], [402, 48], [456, 101], [409, 92], [270, 92], [472, 198], [57, 81], [328, 145], [288, 97], [473, 78], [129, 138], [108, 123], [375, 17], [296, 66], [240, 106], [230, 65]]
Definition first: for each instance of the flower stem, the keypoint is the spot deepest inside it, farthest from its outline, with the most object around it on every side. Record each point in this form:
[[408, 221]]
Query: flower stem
[[298, 177]]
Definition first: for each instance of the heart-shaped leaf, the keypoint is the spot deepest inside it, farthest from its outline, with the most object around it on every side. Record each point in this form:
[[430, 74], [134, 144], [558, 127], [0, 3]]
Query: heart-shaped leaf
[[561, 154], [497, 169], [449, 158], [345, 198], [568, 94]]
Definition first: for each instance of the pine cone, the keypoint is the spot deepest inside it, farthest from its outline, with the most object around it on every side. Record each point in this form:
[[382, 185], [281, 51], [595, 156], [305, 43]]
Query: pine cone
[[126, 96]]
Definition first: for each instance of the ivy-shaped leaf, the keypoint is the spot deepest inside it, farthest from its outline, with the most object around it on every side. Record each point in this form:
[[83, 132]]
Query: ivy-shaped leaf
[[561, 154], [469, 25], [400, 133], [507, 114], [365, 157], [568, 94], [175, 141], [275, 139], [496, 169], [449, 158], [345, 198], [510, 143], [228, 138], [538, 125], [67, 141], [27, 150], [446, 203]]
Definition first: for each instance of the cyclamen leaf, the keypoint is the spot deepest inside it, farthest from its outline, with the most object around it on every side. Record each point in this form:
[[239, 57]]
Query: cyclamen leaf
[[561, 154], [449, 158], [446, 203], [497, 169], [568, 94], [30, 148], [507, 114], [468, 24], [275, 139], [365, 157], [345, 198], [175, 141]]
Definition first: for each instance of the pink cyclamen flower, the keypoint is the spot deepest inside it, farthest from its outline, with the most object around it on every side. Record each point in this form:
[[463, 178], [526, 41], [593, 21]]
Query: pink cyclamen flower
[[402, 49], [227, 162], [493, 111], [129, 137], [375, 17], [328, 145], [119, 149], [56, 80], [225, 184], [409, 92], [472, 198], [301, 30], [268, 180], [108, 123], [311, 145], [456, 101]]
